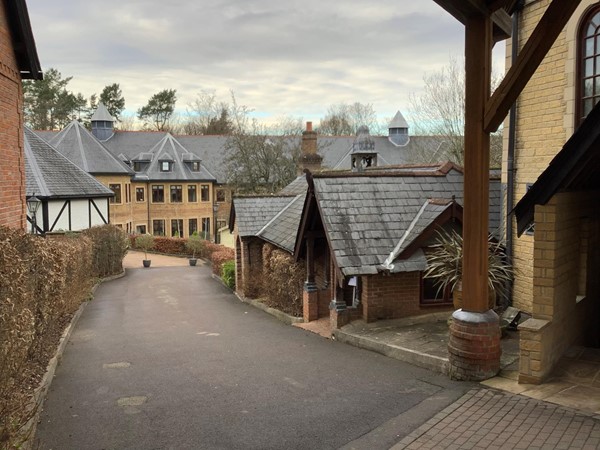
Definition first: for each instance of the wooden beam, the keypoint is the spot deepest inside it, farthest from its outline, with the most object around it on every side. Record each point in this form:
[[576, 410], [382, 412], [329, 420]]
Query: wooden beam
[[539, 43], [494, 5], [502, 25], [464, 9], [478, 61]]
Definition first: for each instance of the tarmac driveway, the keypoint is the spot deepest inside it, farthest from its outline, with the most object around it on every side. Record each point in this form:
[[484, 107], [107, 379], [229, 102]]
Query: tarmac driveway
[[168, 358]]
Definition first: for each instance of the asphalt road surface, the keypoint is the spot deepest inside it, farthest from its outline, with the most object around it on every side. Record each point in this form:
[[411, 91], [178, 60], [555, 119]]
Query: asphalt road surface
[[168, 358]]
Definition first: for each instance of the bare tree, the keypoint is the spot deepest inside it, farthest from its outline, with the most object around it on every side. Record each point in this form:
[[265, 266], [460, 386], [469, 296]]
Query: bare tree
[[440, 110], [260, 158], [345, 119], [207, 115]]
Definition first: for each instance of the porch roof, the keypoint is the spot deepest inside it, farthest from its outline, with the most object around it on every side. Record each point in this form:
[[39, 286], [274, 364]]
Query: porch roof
[[252, 213], [575, 167], [373, 217], [282, 229]]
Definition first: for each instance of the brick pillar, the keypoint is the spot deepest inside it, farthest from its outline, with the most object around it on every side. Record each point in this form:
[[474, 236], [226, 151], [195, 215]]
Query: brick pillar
[[474, 345], [338, 312], [310, 302]]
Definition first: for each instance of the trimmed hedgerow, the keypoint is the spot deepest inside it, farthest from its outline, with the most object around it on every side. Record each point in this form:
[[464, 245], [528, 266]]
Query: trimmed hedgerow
[[282, 281]]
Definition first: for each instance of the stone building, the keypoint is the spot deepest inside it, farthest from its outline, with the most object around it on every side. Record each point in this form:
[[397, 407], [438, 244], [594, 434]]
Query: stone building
[[19, 62], [555, 255]]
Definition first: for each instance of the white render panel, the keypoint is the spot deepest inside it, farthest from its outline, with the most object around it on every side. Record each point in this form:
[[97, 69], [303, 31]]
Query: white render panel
[[54, 207]]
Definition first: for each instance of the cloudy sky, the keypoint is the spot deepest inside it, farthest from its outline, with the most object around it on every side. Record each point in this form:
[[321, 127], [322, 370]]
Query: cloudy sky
[[279, 57]]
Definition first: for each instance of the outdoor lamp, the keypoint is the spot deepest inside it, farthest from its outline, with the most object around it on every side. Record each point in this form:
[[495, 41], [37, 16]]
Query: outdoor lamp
[[33, 204]]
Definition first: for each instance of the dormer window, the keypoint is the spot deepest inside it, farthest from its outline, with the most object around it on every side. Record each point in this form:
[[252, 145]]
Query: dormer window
[[138, 166], [195, 166], [166, 166]]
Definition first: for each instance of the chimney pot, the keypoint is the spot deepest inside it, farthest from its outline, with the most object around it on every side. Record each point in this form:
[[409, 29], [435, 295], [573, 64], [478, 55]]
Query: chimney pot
[[308, 126]]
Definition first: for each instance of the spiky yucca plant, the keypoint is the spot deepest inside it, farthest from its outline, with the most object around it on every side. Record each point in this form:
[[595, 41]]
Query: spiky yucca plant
[[444, 263]]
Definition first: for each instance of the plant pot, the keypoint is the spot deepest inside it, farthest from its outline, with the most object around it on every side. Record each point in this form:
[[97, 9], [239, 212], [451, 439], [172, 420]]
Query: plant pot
[[192, 261], [146, 262], [457, 297]]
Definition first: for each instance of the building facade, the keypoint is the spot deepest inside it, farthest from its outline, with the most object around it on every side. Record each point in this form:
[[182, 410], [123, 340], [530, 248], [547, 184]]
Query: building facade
[[19, 61], [562, 90]]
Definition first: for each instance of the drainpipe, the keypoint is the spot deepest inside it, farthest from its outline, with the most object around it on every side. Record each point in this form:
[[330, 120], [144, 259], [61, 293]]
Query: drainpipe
[[510, 163]]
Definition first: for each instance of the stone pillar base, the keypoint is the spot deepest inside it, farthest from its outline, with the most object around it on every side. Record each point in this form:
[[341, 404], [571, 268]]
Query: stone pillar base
[[338, 315], [310, 302], [474, 345]]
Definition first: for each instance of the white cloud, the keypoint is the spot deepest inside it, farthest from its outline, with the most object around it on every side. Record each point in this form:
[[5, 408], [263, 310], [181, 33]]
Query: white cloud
[[294, 57]]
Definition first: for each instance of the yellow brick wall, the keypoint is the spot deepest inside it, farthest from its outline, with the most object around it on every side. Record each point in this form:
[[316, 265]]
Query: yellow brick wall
[[545, 116], [557, 270], [129, 213]]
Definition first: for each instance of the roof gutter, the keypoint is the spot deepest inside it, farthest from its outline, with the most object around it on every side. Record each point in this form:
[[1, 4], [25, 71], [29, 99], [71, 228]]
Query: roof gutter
[[510, 164]]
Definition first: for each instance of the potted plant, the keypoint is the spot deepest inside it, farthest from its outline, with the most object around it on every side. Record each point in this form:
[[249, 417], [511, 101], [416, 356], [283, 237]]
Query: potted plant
[[195, 244], [145, 242], [444, 264]]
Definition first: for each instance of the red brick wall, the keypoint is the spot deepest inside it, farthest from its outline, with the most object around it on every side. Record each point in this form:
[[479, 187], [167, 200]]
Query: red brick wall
[[394, 296], [12, 164]]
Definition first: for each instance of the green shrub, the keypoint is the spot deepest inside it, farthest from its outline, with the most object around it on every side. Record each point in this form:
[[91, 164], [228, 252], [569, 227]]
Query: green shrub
[[228, 274], [195, 244], [217, 258]]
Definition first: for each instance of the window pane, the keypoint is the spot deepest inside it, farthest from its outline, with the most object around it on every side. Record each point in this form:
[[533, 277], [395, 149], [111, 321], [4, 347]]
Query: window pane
[[221, 195], [158, 194], [204, 193], [158, 227], [588, 104], [176, 193], [116, 188], [597, 49], [193, 226], [139, 194], [588, 87], [192, 193], [140, 229], [176, 227], [589, 67]]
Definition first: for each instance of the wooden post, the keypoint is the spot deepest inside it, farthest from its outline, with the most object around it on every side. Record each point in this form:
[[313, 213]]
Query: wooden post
[[478, 59]]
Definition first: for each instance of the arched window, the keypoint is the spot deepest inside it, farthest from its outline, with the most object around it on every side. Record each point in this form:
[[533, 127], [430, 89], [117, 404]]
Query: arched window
[[588, 89]]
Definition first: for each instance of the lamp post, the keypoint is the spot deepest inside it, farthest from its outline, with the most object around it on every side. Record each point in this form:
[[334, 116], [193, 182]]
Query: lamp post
[[33, 204], [215, 211]]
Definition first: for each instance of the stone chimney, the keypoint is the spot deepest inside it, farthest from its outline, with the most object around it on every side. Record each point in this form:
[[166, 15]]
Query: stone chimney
[[309, 158]]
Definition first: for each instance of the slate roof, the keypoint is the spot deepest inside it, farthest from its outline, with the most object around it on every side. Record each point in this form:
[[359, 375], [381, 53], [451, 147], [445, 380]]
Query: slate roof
[[398, 121], [170, 149], [80, 147], [212, 150], [298, 186], [252, 213], [368, 215], [282, 229], [102, 114], [48, 174]]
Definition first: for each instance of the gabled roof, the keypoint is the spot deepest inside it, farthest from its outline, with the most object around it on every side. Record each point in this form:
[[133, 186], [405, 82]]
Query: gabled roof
[[252, 213], [282, 229], [170, 149], [48, 174], [102, 114], [575, 167], [80, 147], [297, 186], [23, 42], [374, 216]]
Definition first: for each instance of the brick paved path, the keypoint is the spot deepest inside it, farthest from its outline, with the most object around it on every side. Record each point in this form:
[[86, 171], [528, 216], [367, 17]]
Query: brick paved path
[[491, 419]]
